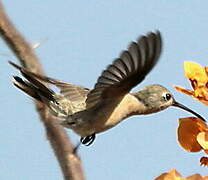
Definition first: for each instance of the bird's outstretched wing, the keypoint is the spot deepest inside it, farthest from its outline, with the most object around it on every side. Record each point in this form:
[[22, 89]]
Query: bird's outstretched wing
[[127, 71], [70, 91]]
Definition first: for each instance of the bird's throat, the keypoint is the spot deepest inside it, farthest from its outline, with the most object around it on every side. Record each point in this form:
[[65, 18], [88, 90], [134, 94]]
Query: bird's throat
[[128, 106]]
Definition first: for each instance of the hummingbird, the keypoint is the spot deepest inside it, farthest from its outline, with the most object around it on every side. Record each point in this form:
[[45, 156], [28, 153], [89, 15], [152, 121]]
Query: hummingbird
[[91, 111]]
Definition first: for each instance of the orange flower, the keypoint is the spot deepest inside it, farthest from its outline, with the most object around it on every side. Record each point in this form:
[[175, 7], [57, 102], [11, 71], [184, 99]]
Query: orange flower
[[198, 76], [192, 132], [174, 175], [171, 175], [193, 136]]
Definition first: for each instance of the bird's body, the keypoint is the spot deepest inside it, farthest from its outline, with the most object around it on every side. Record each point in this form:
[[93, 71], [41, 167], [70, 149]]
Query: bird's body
[[96, 119], [88, 112], [106, 116]]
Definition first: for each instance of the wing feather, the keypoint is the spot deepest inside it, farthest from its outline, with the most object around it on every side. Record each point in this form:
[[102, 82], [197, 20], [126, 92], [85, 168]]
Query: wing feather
[[71, 91], [126, 71]]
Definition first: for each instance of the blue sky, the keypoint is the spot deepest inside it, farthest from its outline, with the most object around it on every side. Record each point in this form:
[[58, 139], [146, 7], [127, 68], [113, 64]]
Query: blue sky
[[83, 37]]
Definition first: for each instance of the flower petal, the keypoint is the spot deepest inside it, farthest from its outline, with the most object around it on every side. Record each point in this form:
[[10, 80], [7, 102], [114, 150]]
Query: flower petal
[[183, 90], [174, 175], [188, 130], [195, 71], [198, 77], [204, 161], [195, 177], [171, 175], [202, 139]]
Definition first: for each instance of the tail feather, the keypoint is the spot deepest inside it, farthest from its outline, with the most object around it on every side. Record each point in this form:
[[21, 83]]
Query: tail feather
[[72, 92], [37, 76], [26, 87], [32, 86], [40, 87], [15, 65]]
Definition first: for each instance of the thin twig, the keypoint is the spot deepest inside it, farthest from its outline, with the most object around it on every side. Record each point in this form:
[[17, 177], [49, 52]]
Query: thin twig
[[60, 142]]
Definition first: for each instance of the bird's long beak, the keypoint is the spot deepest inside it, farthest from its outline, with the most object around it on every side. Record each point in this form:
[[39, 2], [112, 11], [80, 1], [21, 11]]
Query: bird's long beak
[[187, 109]]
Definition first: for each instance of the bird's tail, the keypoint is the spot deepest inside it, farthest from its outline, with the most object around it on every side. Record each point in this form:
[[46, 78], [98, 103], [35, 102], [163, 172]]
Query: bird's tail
[[32, 86]]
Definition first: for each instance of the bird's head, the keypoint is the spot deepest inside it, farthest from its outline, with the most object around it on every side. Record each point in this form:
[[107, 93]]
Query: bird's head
[[156, 98]]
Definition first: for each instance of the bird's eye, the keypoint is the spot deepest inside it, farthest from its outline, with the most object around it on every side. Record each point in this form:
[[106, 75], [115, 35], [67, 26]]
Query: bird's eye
[[167, 96]]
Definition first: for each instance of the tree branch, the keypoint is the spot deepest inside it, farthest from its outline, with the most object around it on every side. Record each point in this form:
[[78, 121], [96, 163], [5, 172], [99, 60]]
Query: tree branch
[[60, 142]]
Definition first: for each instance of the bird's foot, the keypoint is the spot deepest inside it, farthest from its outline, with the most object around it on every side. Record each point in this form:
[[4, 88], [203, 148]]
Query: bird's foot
[[88, 140]]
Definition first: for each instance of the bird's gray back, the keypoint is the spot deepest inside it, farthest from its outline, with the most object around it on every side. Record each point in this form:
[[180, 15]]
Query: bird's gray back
[[72, 99]]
